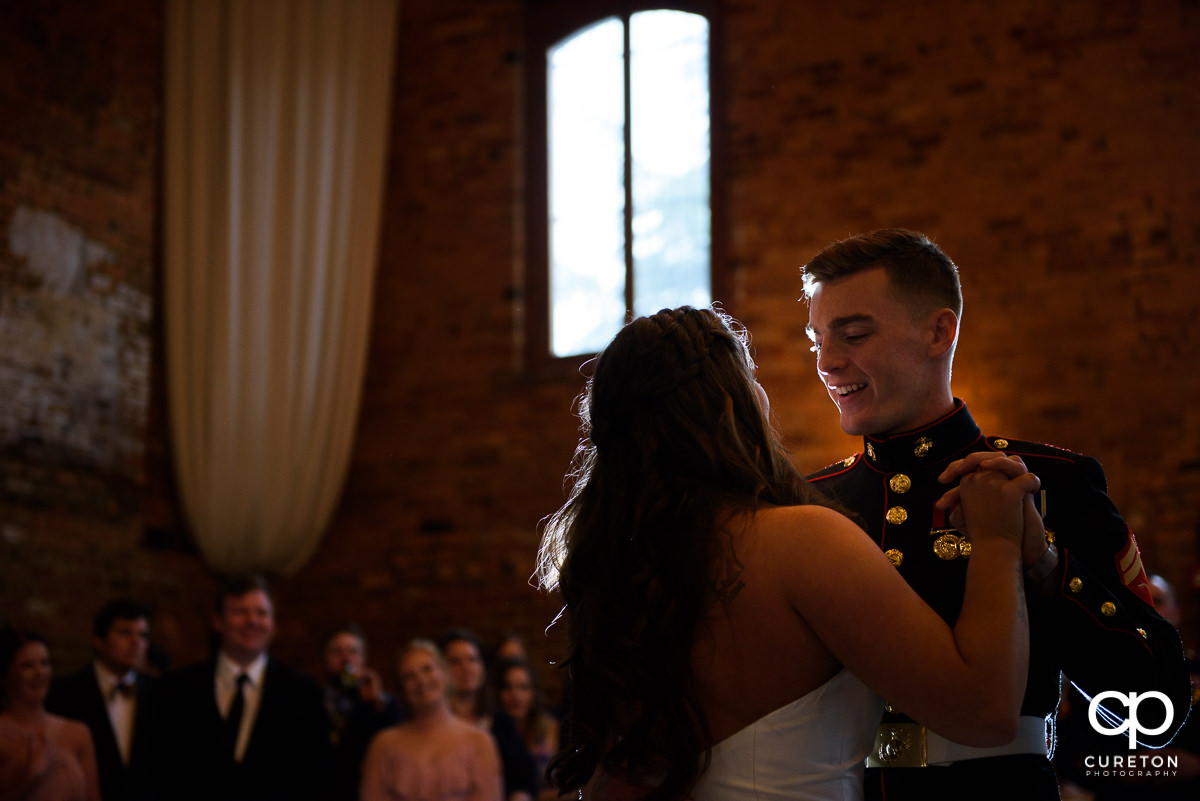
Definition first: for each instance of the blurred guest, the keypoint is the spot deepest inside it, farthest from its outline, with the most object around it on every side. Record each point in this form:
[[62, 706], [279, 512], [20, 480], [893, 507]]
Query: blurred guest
[[242, 726], [157, 661], [510, 646], [434, 755], [357, 705], [43, 757], [468, 677], [521, 703], [114, 698]]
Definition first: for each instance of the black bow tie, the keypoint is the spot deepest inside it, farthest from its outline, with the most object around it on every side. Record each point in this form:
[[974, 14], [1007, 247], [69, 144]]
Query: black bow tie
[[125, 689]]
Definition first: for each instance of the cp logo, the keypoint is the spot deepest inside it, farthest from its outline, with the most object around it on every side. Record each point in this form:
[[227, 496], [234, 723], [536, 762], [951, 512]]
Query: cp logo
[[1130, 700]]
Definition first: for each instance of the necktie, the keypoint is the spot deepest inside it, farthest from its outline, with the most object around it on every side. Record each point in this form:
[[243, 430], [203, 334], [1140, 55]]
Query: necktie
[[233, 721], [123, 689]]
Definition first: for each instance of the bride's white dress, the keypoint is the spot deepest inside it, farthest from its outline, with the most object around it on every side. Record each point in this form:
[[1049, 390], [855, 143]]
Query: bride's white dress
[[813, 748]]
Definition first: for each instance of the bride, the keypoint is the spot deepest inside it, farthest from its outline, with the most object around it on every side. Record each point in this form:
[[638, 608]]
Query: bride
[[731, 634]]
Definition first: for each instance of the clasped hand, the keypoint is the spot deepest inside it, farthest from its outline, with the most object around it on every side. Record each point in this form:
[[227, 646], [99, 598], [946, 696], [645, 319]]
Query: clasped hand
[[994, 498]]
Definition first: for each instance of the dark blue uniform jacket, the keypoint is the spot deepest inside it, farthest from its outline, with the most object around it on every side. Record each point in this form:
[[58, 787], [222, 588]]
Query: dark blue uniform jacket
[[1100, 629]]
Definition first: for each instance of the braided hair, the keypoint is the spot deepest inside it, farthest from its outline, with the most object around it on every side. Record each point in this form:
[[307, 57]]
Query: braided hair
[[678, 449]]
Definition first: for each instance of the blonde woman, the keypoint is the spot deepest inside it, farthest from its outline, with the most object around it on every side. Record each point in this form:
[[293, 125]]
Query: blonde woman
[[434, 755]]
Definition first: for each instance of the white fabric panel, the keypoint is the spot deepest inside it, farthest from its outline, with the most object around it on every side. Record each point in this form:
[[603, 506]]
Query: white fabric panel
[[276, 141]]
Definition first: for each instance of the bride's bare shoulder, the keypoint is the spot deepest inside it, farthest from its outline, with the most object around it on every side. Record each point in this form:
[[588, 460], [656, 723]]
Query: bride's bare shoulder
[[803, 532], [787, 520]]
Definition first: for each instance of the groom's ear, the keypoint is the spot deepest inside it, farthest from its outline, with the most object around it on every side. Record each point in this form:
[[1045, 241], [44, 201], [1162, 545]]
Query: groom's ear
[[942, 332]]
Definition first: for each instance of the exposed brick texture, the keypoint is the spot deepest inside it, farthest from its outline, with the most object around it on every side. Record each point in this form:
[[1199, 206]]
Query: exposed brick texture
[[1049, 147]]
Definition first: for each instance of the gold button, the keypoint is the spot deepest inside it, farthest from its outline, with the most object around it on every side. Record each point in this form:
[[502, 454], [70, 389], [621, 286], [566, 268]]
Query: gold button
[[1143, 633], [1108, 609], [1076, 584], [924, 445], [1000, 443], [964, 547], [896, 515], [894, 556], [900, 483], [849, 460], [870, 451], [946, 546]]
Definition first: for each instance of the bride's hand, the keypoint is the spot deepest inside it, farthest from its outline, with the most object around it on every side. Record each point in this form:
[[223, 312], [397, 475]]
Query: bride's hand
[[994, 498]]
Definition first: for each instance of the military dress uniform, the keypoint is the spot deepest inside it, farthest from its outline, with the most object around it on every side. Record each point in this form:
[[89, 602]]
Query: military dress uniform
[[1100, 629]]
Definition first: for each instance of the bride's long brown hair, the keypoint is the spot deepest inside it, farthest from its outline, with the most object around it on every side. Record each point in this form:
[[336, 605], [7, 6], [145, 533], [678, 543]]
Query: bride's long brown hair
[[677, 449]]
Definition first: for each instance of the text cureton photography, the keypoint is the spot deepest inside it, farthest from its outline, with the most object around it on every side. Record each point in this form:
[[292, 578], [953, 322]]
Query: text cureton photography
[[1129, 765], [1148, 765]]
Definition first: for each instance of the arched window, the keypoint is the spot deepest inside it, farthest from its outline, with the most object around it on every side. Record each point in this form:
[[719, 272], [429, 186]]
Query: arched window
[[620, 208]]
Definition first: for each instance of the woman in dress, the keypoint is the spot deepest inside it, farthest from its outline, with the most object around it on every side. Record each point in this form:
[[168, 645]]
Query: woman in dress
[[521, 702], [43, 757], [730, 634], [434, 755]]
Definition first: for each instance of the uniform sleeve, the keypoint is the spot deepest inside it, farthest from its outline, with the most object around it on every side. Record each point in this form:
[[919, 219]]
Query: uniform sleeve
[[1105, 632]]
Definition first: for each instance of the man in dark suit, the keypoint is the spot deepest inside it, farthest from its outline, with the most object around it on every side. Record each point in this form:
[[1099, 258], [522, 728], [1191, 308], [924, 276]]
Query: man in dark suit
[[114, 698], [242, 726]]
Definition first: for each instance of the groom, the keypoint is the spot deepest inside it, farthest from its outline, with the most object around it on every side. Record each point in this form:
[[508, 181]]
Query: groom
[[883, 318]]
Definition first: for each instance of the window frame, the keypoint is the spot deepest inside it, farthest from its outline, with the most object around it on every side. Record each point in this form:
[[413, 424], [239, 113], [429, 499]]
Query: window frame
[[548, 22]]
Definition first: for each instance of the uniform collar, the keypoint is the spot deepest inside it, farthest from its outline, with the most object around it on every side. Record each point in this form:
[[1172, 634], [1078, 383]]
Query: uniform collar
[[930, 444]]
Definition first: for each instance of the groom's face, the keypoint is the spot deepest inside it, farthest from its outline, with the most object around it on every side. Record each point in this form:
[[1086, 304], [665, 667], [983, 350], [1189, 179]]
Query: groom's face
[[873, 355]]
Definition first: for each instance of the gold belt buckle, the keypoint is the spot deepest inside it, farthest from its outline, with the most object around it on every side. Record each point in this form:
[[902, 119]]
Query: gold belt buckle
[[898, 745]]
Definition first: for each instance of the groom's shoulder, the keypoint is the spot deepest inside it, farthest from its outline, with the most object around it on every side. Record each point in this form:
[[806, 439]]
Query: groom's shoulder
[[1044, 457], [1026, 447], [838, 468]]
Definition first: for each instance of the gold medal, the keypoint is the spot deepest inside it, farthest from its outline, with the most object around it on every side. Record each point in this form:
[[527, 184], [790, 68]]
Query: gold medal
[[946, 546]]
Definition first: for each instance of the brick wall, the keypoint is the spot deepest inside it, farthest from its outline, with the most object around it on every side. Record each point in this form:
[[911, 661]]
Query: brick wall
[[1047, 147], [80, 118]]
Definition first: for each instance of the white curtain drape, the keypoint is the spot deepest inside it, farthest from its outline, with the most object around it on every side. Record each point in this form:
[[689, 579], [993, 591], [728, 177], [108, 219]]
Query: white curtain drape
[[277, 117]]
